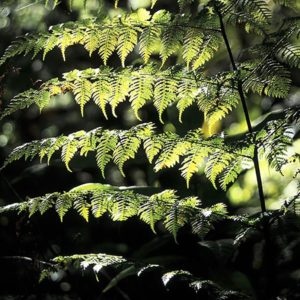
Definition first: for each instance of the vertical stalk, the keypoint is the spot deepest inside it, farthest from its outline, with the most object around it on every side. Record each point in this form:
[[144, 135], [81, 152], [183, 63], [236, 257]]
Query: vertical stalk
[[246, 113]]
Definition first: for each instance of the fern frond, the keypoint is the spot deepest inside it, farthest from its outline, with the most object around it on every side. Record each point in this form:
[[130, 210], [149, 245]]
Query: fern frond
[[180, 213], [273, 141], [162, 30], [164, 92], [81, 205], [111, 87], [153, 209], [187, 93], [150, 36], [125, 205], [121, 204], [96, 261], [209, 46], [172, 149], [225, 98], [129, 143], [107, 143], [141, 89], [192, 44], [216, 164], [171, 40], [290, 54], [64, 203], [102, 91], [268, 77], [70, 147], [193, 160], [203, 221], [126, 42], [25, 100], [254, 15], [120, 87], [82, 92], [117, 145]]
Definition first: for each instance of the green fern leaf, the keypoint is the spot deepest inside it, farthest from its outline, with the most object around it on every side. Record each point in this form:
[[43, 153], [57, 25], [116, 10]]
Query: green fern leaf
[[194, 158], [50, 149], [171, 39], [152, 146], [82, 206], [187, 92], [273, 141], [108, 40], [22, 45], [28, 151], [141, 88], [179, 213], [63, 204], [127, 39], [88, 142], [290, 54], [192, 43], [70, 148], [92, 40], [47, 202], [102, 90], [173, 148], [210, 45], [164, 92], [148, 41], [26, 99], [51, 42], [153, 210], [125, 205], [83, 92], [267, 77], [106, 145], [217, 163], [230, 174], [100, 204], [120, 87], [33, 206], [129, 143]]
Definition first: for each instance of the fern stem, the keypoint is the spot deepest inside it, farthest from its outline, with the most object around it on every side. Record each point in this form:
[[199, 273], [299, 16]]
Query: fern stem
[[246, 113]]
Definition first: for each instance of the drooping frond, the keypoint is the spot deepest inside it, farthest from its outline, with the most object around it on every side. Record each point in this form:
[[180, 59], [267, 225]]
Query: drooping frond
[[201, 225], [129, 143], [252, 14], [141, 88], [97, 262], [226, 166], [290, 54], [218, 98], [180, 212], [215, 96], [163, 31], [276, 136], [120, 203], [172, 36], [224, 160], [266, 77], [25, 100], [119, 145], [193, 150]]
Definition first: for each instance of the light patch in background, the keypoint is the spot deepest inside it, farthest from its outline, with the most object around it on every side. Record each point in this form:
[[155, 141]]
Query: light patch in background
[[135, 4]]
